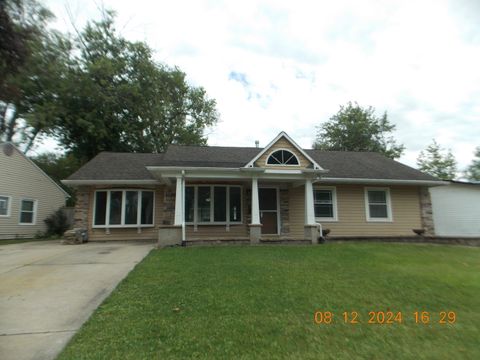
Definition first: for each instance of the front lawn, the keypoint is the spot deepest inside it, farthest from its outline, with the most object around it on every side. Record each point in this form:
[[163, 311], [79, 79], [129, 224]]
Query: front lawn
[[259, 302]]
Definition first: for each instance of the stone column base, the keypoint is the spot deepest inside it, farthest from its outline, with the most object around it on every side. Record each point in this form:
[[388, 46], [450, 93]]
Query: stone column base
[[169, 235], [311, 233], [255, 233]]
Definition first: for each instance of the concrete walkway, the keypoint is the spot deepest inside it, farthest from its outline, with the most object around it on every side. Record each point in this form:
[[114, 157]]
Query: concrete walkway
[[48, 290]]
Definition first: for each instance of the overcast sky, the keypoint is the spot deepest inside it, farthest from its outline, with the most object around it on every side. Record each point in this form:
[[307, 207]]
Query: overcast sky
[[289, 65]]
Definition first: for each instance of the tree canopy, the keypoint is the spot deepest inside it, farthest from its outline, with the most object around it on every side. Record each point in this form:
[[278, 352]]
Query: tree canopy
[[437, 162], [355, 128], [96, 91], [30, 73], [473, 171], [118, 98]]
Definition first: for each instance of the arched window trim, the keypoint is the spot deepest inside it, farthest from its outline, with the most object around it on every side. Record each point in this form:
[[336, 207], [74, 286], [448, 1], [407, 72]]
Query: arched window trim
[[284, 149]]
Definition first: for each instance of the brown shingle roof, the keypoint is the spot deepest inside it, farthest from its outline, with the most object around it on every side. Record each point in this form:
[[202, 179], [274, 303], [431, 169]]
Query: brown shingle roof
[[341, 164]]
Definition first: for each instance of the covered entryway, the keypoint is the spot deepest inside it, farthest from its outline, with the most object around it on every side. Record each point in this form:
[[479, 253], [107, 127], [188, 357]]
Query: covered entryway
[[268, 205]]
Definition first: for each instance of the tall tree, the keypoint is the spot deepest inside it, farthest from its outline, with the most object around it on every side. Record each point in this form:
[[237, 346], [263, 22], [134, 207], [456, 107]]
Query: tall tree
[[473, 171], [29, 89], [437, 162], [355, 128], [117, 98]]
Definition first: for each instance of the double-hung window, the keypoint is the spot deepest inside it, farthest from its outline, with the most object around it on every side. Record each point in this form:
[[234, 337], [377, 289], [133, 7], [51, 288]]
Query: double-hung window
[[213, 204], [28, 209], [378, 204], [123, 208], [325, 203], [4, 206]]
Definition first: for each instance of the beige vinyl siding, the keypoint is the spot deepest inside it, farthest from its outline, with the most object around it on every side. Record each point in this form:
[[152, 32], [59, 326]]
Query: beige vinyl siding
[[146, 233], [21, 179], [351, 209], [283, 143]]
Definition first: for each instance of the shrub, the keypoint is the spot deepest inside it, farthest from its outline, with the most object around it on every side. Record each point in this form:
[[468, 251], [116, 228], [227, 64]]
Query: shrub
[[57, 223]]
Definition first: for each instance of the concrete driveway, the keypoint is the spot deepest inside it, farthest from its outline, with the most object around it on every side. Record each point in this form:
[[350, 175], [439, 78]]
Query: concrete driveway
[[48, 290]]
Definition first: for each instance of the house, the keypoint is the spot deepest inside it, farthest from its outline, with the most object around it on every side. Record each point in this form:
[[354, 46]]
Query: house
[[456, 209], [27, 195], [249, 194]]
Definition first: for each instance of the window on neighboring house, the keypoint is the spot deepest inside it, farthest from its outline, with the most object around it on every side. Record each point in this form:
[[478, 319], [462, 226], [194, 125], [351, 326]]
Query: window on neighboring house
[[282, 157], [378, 206], [27, 212], [123, 208], [4, 206], [213, 204], [325, 203]]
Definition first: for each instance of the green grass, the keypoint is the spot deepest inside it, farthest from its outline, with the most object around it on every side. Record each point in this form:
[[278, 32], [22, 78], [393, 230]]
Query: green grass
[[259, 302]]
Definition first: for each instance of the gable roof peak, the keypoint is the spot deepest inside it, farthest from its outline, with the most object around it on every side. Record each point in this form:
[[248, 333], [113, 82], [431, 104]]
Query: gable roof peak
[[289, 139]]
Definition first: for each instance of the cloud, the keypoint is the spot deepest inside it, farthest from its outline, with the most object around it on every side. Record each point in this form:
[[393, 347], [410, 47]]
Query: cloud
[[280, 65]]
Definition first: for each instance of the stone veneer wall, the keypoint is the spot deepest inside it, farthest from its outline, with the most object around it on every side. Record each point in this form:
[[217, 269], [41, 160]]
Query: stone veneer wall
[[284, 213], [168, 206], [426, 211], [80, 216]]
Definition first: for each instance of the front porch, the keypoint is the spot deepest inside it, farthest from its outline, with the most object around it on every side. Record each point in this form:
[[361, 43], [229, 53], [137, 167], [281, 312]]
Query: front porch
[[244, 210]]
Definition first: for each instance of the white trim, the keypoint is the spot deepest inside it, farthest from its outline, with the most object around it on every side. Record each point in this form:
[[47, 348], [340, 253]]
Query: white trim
[[381, 181], [284, 149], [309, 204], [285, 135], [34, 212], [9, 206], [110, 182], [389, 217], [122, 219], [333, 190], [38, 168]]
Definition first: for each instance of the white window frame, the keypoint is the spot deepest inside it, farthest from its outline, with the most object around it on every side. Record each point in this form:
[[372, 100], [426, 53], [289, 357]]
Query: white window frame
[[284, 149], [9, 206], [212, 202], [122, 220], [333, 189], [389, 217], [34, 212]]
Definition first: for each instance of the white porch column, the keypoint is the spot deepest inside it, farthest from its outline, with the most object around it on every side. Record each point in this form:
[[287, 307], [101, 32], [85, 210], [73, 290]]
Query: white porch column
[[309, 207], [255, 204], [179, 202]]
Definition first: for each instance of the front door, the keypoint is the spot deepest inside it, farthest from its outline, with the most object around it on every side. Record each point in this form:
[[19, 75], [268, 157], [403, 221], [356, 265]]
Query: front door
[[268, 210]]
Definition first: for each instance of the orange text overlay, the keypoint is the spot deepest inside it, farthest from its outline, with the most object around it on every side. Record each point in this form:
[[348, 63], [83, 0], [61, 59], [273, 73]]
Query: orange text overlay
[[385, 317]]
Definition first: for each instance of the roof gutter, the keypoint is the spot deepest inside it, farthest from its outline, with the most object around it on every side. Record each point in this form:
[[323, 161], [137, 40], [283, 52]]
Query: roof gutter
[[383, 181], [110, 182]]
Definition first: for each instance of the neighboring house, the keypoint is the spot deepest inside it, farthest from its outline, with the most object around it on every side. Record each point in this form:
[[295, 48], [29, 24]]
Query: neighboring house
[[27, 195], [280, 192], [456, 209]]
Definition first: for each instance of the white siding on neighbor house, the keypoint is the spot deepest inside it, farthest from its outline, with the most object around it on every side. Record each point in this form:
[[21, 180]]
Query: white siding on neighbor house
[[20, 179], [456, 209]]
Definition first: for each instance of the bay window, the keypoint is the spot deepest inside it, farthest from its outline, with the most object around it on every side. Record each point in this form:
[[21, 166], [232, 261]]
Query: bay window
[[213, 204], [123, 208]]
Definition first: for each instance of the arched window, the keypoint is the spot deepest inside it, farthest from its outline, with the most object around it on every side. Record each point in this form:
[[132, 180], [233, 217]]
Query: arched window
[[282, 157]]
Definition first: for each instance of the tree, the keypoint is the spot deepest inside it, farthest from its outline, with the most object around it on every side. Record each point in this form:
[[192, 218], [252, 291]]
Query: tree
[[473, 171], [117, 98], [29, 91], [437, 162], [355, 128]]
